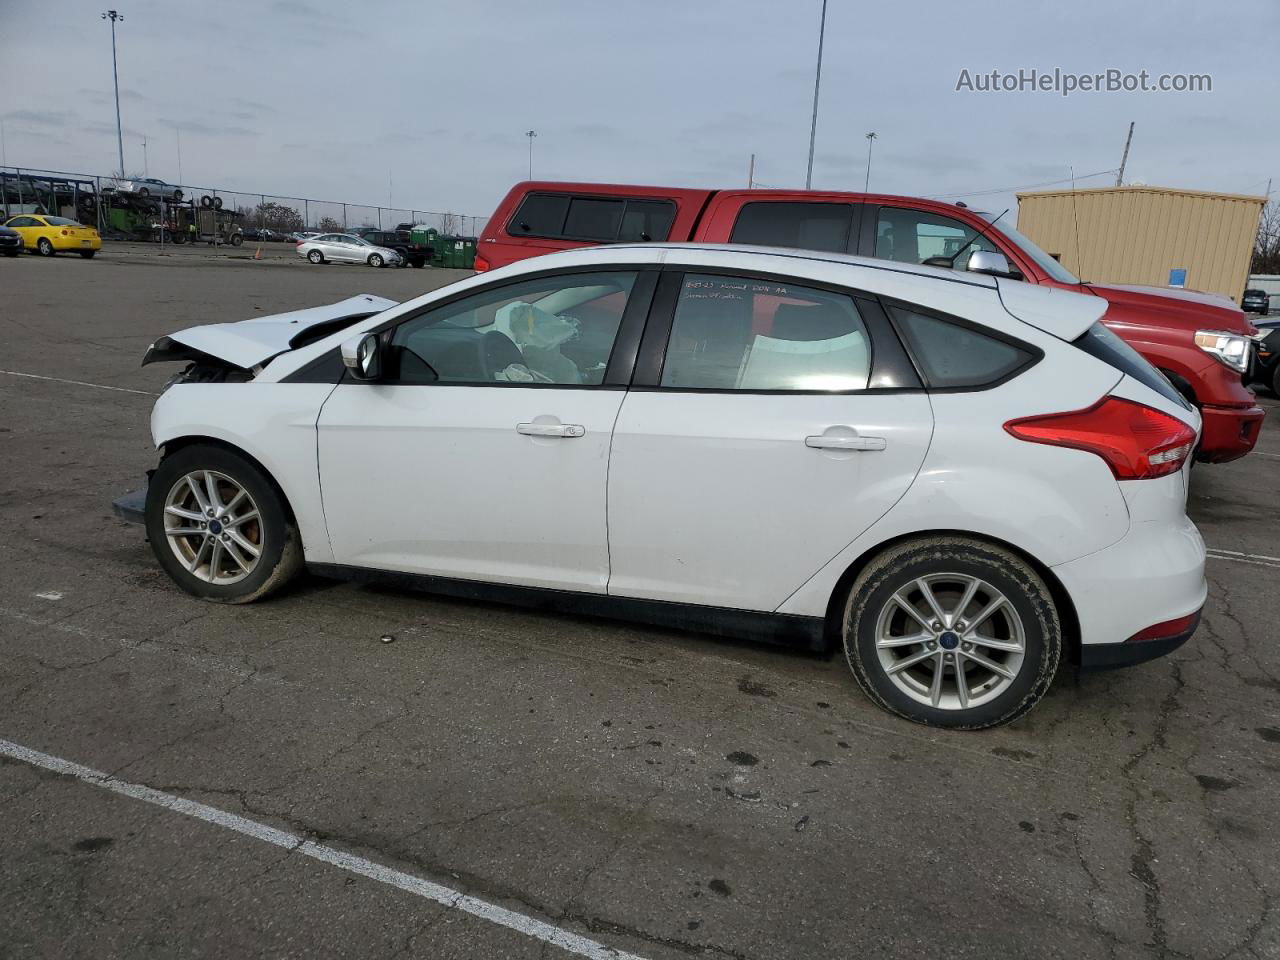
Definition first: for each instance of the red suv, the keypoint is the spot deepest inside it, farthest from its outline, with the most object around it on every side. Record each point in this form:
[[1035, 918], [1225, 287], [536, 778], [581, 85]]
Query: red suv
[[1201, 342]]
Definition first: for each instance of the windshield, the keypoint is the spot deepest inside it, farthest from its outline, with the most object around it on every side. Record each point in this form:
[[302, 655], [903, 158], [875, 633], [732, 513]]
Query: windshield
[[60, 222], [1045, 262]]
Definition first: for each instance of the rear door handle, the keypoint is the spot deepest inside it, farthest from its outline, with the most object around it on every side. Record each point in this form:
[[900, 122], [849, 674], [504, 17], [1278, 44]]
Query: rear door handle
[[825, 442], [568, 430]]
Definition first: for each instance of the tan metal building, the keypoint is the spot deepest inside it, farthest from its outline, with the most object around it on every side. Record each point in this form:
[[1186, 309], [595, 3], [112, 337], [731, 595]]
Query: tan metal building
[[1146, 235]]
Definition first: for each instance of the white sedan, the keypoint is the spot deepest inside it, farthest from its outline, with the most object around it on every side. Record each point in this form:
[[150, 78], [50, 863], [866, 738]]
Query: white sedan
[[961, 481], [345, 248]]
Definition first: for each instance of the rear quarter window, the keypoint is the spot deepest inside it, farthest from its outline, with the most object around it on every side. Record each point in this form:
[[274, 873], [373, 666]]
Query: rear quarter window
[[1101, 343], [592, 219], [953, 355]]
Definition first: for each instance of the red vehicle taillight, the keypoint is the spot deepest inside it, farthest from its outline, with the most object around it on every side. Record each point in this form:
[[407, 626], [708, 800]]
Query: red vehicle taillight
[[481, 264], [1138, 442], [1168, 629]]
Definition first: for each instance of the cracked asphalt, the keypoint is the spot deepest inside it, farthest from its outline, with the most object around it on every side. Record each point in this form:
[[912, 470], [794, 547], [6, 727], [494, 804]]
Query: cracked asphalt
[[659, 792]]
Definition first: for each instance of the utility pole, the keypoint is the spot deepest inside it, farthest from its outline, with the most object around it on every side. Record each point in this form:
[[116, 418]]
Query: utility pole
[[751, 173], [178, 133], [531, 134], [146, 171], [115, 76], [817, 82], [1125, 159], [871, 139]]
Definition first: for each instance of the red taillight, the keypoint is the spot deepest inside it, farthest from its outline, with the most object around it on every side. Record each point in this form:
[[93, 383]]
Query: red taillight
[[481, 264], [1138, 442], [1168, 629]]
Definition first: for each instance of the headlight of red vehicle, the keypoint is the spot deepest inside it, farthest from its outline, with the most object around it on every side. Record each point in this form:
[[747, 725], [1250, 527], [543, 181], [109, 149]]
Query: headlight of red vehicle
[[1231, 349]]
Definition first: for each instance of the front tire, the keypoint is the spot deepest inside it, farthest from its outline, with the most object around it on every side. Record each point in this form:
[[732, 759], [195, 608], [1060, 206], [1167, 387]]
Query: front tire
[[375, 260], [952, 632], [219, 527], [1275, 379], [44, 247]]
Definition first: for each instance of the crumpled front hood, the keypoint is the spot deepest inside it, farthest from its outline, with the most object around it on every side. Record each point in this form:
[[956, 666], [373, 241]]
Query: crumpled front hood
[[250, 343]]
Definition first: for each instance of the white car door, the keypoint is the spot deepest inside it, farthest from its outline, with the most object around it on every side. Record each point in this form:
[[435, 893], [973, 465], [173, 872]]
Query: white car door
[[772, 430], [483, 451]]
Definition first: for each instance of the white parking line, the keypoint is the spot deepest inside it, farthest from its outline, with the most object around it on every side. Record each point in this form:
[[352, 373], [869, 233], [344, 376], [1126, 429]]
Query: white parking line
[[1269, 456], [1215, 554], [445, 896], [78, 383]]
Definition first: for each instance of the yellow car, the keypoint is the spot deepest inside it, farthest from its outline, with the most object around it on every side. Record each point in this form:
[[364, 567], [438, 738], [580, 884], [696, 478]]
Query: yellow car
[[49, 235]]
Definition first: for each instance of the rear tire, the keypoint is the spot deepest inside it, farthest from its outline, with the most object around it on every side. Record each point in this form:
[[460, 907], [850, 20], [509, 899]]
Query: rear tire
[[88, 254], [315, 256], [216, 562], [177, 196], [970, 668], [1275, 379], [44, 246]]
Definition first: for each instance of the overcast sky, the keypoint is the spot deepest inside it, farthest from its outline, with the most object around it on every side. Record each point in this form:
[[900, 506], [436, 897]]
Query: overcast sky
[[331, 100]]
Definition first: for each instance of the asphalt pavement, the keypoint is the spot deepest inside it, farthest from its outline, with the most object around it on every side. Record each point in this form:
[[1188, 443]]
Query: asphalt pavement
[[184, 779]]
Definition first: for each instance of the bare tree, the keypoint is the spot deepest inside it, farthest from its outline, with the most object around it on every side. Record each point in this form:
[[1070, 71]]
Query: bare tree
[[329, 225], [1266, 249], [448, 224]]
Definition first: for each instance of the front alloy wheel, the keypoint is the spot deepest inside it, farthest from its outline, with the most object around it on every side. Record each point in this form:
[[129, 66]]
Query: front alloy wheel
[[213, 527], [952, 632], [219, 526]]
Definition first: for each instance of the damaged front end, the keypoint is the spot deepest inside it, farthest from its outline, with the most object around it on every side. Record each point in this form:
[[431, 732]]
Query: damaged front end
[[237, 352]]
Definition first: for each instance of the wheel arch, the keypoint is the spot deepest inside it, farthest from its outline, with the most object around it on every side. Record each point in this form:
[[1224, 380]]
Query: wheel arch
[[172, 446], [1061, 598]]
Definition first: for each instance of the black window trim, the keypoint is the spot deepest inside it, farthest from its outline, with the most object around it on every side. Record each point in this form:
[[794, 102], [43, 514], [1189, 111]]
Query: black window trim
[[888, 357], [1034, 353], [513, 231], [622, 357]]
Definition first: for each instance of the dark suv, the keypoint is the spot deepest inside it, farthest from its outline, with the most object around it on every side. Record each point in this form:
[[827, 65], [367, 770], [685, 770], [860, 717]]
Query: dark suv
[[1255, 301], [397, 240]]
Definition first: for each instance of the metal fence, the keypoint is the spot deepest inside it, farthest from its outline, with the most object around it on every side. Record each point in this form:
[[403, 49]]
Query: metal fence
[[86, 197]]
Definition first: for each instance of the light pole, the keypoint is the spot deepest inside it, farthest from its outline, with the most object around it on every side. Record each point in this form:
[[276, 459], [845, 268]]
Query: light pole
[[115, 76], [871, 139], [817, 82], [146, 170], [530, 134]]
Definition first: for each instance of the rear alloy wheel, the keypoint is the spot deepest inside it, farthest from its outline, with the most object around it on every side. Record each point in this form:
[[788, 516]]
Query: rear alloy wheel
[[315, 256], [219, 527], [375, 260], [45, 247], [952, 632]]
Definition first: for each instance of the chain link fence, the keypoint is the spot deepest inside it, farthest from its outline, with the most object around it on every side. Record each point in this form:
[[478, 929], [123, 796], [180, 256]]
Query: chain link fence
[[138, 210]]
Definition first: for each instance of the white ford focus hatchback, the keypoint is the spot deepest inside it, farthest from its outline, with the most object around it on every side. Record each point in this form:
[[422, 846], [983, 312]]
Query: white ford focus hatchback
[[961, 480]]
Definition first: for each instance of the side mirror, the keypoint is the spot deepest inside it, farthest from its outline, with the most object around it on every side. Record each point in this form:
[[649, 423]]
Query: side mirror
[[362, 355], [995, 264]]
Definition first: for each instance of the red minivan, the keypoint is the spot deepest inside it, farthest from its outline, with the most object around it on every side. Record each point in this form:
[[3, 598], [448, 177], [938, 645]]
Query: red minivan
[[1201, 342]]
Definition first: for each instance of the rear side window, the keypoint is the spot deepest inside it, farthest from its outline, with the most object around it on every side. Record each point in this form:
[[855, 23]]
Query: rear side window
[[591, 218], [541, 215], [806, 226], [1102, 344], [595, 219], [950, 355], [739, 333]]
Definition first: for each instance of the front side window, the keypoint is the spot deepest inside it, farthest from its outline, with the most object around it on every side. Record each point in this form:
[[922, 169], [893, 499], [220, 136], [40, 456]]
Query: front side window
[[915, 236], [950, 355], [806, 226], [731, 333], [554, 330]]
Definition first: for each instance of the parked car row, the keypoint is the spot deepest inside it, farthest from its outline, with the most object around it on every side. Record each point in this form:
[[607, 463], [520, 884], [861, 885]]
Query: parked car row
[[49, 236], [1201, 343]]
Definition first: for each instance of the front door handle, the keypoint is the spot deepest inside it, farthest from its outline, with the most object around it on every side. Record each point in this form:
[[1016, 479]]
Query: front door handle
[[833, 442], [568, 430]]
